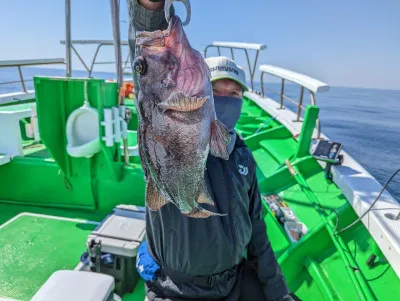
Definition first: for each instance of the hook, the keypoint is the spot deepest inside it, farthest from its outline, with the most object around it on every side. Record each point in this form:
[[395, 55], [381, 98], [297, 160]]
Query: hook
[[167, 10]]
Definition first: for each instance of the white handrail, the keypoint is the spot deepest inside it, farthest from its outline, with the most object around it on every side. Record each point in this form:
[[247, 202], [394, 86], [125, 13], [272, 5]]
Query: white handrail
[[238, 45], [31, 62], [241, 46], [16, 96], [311, 84], [305, 81]]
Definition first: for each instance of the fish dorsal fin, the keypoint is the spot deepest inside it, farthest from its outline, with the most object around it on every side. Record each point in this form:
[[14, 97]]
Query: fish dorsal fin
[[181, 102], [219, 140], [154, 200], [201, 213], [204, 197]]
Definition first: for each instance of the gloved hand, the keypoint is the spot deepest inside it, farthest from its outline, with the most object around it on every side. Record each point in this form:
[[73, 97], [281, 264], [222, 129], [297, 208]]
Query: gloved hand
[[145, 264]]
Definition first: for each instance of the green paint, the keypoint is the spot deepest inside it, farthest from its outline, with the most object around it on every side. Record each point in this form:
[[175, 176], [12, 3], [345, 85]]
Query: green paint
[[32, 248], [48, 181], [303, 145]]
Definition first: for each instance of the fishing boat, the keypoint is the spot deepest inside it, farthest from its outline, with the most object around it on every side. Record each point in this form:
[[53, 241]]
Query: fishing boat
[[72, 190]]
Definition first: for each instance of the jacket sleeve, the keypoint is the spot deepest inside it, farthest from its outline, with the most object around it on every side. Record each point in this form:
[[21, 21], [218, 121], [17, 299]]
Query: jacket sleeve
[[260, 253]]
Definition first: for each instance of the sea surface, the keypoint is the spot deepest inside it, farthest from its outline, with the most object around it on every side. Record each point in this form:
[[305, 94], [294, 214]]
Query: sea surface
[[366, 121]]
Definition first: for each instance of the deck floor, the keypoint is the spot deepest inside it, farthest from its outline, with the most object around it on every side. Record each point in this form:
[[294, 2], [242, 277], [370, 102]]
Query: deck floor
[[33, 247]]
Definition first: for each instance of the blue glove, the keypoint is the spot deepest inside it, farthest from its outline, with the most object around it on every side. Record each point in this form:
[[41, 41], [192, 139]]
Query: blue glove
[[145, 264]]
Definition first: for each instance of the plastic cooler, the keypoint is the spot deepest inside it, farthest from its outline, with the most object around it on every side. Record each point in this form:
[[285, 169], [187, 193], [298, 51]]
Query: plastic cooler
[[76, 285], [114, 243]]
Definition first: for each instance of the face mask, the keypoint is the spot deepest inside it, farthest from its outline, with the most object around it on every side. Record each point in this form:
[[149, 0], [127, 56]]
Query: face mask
[[228, 110]]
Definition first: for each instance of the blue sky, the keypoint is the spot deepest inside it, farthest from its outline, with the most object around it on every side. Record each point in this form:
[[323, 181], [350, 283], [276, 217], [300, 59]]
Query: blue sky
[[344, 43]]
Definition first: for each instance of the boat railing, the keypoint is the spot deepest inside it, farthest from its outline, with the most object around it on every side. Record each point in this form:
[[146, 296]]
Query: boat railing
[[5, 98], [241, 46], [313, 86], [94, 61]]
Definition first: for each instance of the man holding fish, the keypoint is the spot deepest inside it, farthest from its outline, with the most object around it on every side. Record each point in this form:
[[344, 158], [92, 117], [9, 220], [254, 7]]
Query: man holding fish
[[204, 211]]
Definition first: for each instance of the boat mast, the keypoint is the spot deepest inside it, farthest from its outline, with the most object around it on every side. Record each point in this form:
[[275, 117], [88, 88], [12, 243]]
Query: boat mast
[[117, 40], [68, 37]]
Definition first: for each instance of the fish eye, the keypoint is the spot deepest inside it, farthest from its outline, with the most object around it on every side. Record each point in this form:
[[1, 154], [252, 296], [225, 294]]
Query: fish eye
[[140, 65]]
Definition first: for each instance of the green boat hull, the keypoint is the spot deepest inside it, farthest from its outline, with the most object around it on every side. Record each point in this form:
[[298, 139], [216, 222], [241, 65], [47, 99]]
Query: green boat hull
[[46, 180]]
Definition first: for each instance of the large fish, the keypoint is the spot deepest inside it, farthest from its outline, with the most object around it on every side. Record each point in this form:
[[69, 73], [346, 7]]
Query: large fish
[[178, 127]]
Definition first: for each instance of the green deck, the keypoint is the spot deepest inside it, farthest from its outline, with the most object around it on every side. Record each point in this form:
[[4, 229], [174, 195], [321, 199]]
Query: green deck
[[48, 181], [33, 247]]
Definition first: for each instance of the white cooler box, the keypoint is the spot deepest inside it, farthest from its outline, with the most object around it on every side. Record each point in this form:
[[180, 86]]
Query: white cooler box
[[76, 286], [116, 241]]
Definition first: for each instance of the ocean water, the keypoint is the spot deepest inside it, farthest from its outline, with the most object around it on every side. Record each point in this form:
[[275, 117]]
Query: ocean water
[[366, 121]]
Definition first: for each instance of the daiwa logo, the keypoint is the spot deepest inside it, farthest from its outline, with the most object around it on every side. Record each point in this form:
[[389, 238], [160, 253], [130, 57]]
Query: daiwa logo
[[243, 170]]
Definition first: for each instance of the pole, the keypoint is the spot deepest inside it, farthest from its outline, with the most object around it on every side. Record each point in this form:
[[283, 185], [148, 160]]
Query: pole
[[68, 37]]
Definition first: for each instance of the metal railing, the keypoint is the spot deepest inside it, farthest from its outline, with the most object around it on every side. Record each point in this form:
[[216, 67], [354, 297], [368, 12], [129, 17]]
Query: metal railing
[[100, 44], [21, 63], [25, 94], [312, 85], [241, 46]]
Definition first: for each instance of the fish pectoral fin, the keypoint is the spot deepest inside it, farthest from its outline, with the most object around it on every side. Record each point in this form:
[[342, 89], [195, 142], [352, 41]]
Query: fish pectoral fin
[[219, 140], [183, 103], [204, 197], [154, 200], [199, 212]]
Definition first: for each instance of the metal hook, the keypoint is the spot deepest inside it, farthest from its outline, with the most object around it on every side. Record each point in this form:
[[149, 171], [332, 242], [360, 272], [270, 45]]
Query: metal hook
[[167, 10]]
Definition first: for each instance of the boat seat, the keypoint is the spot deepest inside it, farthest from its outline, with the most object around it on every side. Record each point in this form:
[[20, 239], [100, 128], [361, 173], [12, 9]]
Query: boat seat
[[10, 132], [78, 286]]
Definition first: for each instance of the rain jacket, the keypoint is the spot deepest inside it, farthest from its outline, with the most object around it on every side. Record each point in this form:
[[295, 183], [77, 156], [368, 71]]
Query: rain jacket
[[202, 258]]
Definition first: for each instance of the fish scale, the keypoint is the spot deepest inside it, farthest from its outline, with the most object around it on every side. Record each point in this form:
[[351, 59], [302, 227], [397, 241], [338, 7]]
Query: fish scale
[[179, 128]]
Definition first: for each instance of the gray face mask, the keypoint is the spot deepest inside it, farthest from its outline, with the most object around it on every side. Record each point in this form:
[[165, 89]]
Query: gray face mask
[[228, 111]]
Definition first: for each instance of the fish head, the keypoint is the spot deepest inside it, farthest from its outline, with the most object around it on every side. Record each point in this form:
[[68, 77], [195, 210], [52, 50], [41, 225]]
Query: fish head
[[166, 64]]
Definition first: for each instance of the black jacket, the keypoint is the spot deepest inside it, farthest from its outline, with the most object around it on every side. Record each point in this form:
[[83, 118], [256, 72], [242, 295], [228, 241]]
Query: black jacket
[[199, 247], [208, 246]]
